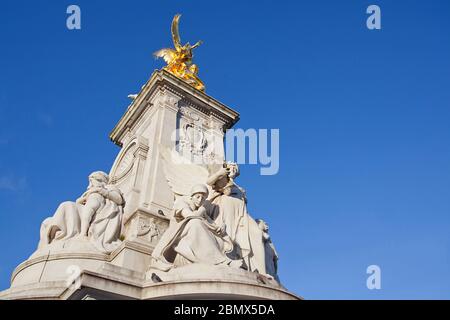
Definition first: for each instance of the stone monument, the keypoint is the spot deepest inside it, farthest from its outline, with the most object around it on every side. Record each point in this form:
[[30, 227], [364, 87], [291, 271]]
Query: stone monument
[[169, 221]]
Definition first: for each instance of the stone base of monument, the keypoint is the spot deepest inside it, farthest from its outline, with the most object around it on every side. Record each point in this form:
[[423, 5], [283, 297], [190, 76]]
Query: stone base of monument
[[197, 281], [59, 274]]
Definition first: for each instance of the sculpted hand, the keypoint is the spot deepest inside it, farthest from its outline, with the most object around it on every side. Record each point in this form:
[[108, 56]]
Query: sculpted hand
[[201, 211], [99, 190], [81, 200], [223, 172], [221, 230]]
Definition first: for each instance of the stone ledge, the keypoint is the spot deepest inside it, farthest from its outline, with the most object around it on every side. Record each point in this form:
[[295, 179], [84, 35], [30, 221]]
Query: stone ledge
[[115, 286], [57, 256], [114, 282], [161, 79], [42, 291]]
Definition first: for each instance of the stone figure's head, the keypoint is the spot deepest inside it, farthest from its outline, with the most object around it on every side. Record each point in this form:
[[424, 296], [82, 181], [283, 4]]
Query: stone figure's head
[[199, 193], [234, 169], [262, 225], [98, 179]]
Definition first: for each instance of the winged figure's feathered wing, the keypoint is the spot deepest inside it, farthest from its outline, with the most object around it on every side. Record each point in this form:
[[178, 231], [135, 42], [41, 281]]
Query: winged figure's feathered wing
[[167, 54], [181, 174], [179, 60], [175, 33]]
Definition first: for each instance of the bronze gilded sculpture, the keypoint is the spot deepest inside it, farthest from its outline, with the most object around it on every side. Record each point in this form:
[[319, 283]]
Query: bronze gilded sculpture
[[179, 61]]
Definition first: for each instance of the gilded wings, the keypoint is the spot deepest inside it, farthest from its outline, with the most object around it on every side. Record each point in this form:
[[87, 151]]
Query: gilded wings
[[179, 60]]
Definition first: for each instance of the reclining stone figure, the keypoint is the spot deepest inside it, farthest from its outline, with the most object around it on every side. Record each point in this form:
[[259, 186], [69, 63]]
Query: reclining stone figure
[[95, 216]]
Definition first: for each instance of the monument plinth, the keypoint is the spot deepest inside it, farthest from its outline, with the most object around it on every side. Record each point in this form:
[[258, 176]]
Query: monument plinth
[[171, 113], [169, 220]]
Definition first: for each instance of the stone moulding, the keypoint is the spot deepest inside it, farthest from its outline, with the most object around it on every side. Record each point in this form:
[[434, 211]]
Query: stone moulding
[[165, 81], [111, 281], [118, 286]]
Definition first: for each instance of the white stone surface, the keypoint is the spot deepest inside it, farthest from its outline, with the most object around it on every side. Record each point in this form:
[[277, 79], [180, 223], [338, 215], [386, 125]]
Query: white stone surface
[[149, 186], [165, 106], [195, 281], [96, 216]]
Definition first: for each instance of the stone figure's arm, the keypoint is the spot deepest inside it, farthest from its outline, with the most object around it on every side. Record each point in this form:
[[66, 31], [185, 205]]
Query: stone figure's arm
[[219, 229], [244, 193], [222, 230], [99, 190], [182, 211], [275, 253], [186, 212], [209, 220], [177, 214], [178, 207], [217, 176], [81, 200], [114, 195], [200, 212]]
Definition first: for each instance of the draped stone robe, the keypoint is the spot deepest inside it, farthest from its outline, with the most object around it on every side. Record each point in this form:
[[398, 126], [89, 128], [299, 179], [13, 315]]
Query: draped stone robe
[[106, 224], [230, 207], [191, 239]]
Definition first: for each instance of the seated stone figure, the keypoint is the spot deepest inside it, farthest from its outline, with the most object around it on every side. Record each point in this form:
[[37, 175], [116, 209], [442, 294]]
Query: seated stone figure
[[95, 216], [229, 206], [192, 237]]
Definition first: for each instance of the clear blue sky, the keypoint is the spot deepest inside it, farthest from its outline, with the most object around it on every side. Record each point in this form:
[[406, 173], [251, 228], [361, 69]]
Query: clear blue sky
[[364, 119]]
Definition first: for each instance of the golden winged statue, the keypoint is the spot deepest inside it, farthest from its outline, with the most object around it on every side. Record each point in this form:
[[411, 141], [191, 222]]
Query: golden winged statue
[[179, 61]]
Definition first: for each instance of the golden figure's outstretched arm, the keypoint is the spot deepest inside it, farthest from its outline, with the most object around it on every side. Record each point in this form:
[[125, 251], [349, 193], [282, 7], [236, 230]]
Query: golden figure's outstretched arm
[[197, 44], [175, 32]]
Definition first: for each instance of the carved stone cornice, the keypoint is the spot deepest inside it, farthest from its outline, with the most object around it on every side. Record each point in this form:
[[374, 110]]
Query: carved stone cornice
[[162, 81]]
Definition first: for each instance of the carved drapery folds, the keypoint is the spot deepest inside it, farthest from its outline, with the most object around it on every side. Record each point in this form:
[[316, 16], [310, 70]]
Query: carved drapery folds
[[95, 218]]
